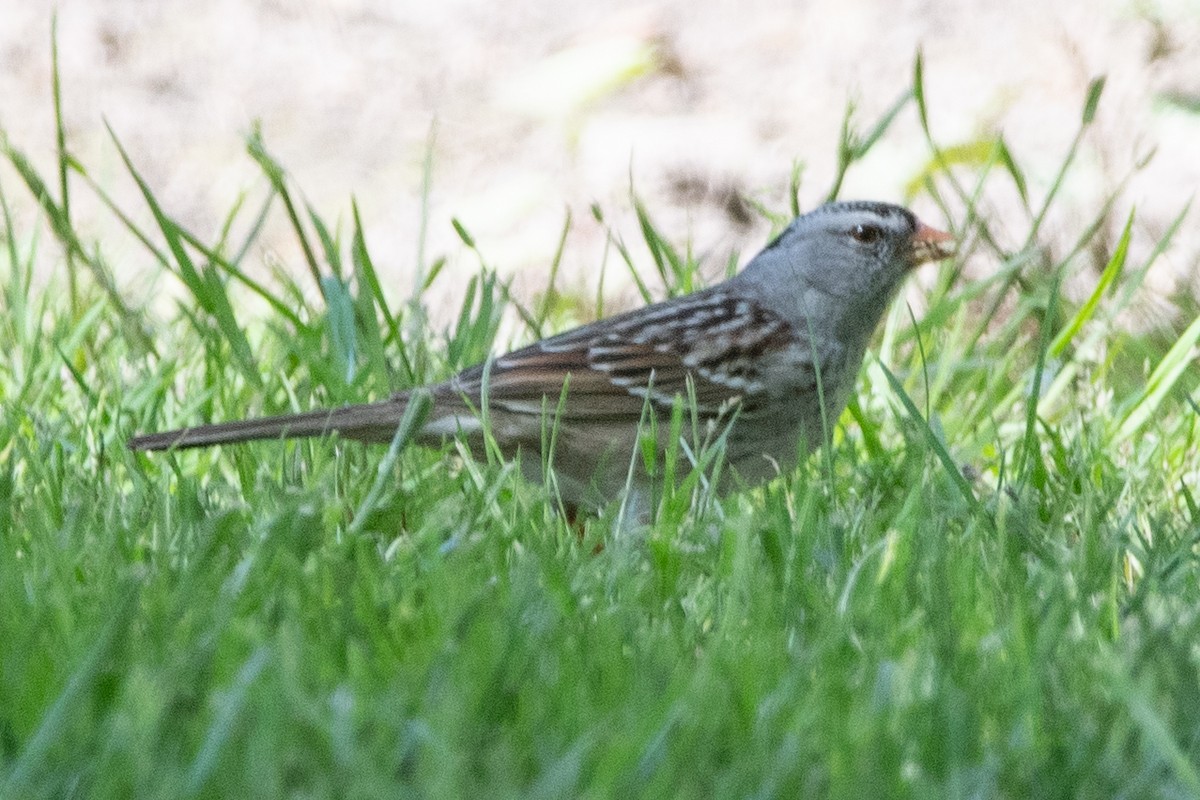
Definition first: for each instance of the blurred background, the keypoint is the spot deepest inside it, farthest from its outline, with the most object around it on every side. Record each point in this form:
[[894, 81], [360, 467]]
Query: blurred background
[[526, 110]]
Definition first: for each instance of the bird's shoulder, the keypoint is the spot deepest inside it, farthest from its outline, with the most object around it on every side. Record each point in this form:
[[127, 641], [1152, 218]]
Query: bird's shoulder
[[690, 324], [713, 344]]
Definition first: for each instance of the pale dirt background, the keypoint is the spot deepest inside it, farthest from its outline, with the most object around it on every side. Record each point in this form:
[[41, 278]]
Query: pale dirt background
[[540, 106]]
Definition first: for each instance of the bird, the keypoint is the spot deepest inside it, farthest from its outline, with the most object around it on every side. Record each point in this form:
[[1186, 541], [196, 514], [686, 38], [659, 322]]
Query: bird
[[764, 362]]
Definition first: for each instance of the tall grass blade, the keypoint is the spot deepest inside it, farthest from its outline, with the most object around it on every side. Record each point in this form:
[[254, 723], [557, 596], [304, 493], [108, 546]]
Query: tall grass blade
[[939, 449], [1162, 381], [257, 149], [206, 288], [61, 226]]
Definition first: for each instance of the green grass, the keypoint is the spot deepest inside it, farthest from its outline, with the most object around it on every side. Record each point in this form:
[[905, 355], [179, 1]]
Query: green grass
[[988, 587]]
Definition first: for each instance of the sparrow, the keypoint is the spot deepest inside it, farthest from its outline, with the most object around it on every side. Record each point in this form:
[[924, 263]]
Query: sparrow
[[763, 361]]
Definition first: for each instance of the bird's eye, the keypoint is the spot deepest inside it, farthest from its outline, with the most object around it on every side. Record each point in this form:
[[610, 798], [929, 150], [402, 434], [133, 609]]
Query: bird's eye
[[867, 234]]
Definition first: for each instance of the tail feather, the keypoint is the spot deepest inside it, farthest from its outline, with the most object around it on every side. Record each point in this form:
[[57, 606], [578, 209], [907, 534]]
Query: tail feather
[[369, 422]]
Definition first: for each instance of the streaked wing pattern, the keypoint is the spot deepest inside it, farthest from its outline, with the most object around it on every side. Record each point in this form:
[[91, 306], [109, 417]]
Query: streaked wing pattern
[[711, 338]]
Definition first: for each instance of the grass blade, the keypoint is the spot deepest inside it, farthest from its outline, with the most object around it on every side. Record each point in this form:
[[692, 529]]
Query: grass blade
[[60, 142], [939, 449], [1161, 382], [61, 226], [275, 174], [1108, 278], [206, 288]]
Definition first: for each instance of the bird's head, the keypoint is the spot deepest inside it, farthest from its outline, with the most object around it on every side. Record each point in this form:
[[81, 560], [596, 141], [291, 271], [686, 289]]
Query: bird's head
[[844, 261]]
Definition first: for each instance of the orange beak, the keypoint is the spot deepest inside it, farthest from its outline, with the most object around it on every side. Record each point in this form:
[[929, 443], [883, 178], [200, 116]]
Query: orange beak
[[930, 244]]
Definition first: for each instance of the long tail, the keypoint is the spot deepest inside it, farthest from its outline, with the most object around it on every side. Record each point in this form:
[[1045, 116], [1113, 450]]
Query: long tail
[[370, 422]]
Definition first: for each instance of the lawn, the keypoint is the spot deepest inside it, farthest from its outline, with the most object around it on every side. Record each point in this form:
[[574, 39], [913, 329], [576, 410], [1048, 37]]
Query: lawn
[[987, 586]]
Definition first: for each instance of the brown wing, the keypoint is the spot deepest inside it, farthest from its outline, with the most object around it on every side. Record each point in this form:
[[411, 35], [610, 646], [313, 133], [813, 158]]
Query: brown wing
[[709, 343]]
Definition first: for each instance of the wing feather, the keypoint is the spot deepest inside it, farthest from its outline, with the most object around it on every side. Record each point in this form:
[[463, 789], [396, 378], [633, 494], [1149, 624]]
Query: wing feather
[[709, 345]]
